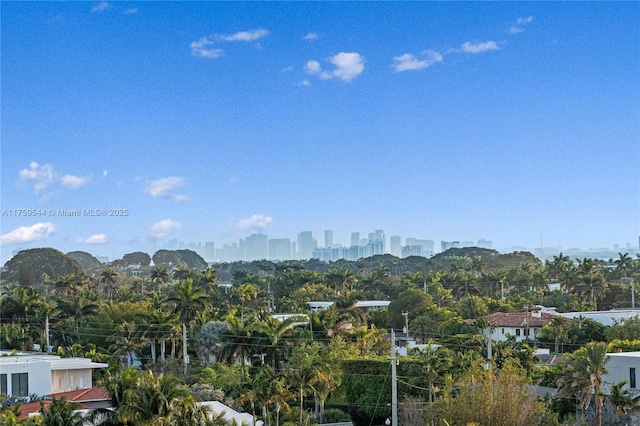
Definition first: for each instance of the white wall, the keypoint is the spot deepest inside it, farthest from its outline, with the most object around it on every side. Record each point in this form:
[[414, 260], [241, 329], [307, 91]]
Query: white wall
[[618, 367], [39, 374]]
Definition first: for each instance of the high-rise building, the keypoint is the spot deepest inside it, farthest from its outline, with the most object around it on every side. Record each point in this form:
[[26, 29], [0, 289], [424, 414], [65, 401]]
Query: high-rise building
[[485, 244], [446, 245], [209, 251], [328, 238], [255, 247], [355, 239], [416, 247], [395, 243], [306, 244], [379, 236], [279, 249]]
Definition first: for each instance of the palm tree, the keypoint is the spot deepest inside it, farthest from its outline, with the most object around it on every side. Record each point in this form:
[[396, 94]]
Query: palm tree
[[61, 413], [558, 326], [623, 399], [209, 280], [126, 341], [159, 276], [245, 292], [624, 263], [273, 332], [108, 279], [582, 376], [592, 284], [188, 300], [302, 370]]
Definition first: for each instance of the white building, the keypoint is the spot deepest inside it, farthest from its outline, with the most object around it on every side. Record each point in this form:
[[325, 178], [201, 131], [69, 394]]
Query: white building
[[622, 366], [26, 374]]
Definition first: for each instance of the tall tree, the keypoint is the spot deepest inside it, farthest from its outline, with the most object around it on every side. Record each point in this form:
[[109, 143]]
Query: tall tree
[[582, 376]]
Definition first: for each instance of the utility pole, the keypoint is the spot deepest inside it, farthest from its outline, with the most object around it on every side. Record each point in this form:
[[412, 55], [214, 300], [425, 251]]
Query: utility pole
[[46, 333], [185, 356], [394, 381]]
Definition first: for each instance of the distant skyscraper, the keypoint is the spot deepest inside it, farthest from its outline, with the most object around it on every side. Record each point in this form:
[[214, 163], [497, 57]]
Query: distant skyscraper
[[255, 247], [446, 245], [209, 251], [395, 243], [355, 239], [306, 244], [328, 238], [485, 244], [279, 249], [416, 247], [379, 236]]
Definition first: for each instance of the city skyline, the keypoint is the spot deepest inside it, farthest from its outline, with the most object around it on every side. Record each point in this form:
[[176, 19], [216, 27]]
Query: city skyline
[[210, 121]]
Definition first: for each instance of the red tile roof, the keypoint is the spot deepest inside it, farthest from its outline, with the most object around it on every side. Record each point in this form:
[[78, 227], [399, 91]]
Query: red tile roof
[[30, 408], [82, 395]]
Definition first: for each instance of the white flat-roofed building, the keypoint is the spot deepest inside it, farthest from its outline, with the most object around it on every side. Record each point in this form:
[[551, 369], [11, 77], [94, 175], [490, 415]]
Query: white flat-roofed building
[[622, 366], [26, 374], [364, 305]]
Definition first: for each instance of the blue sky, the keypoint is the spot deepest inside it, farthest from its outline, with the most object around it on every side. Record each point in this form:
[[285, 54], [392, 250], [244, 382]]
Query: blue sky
[[209, 121]]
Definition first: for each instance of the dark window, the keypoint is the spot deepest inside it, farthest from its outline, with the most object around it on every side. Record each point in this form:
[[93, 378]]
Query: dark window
[[632, 377], [20, 384], [3, 383], [503, 331], [517, 331]]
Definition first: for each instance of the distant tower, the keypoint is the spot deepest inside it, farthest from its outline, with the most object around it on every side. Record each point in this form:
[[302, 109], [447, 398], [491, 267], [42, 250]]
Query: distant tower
[[355, 239], [328, 238], [396, 245]]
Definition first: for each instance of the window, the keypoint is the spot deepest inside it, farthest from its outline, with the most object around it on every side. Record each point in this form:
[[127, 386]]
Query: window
[[632, 377], [3, 383], [503, 331], [20, 384], [517, 331]]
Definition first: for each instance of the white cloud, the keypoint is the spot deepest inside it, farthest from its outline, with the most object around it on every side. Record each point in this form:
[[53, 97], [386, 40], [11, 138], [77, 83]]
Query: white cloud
[[94, 239], [409, 62], [479, 47], [251, 35], [520, 23], [28, 234], [257, 221], [163, 228], [42, 177], [310, 36], [203, 47], [105, 173], [130, 11], [162, 188], [74, 182], [348, 65], [100, 7], [523, 21]]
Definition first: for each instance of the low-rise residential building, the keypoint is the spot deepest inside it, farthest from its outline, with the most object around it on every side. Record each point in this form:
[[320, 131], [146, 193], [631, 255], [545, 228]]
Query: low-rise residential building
[[25, 374], [521, 325]]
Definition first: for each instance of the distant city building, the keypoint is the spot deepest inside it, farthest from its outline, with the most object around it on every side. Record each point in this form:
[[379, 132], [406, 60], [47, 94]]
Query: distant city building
[[306, 244], [467, 244], [355, 238], [395, 244], [328, 238], [487, 244], [417, 247], [209, 251], [255, 247], [446, 245], [280, 249], [379, 236]]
